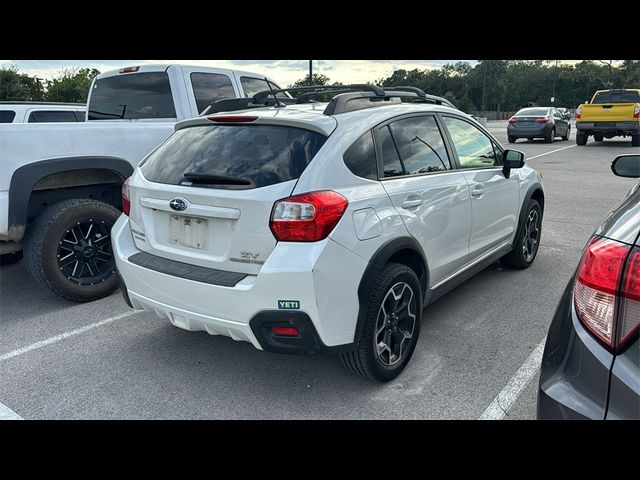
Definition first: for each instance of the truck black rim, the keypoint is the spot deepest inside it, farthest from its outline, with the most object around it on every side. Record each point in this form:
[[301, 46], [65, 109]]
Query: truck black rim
[[85, 256]]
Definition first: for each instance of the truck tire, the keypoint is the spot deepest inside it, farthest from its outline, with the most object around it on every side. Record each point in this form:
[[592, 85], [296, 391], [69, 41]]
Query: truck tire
[[550, 136], [394, 310], [635, 140], [598, 138], [581, 138], [68, 249]]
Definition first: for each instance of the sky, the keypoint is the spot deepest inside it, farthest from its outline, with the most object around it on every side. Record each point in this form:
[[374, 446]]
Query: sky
[[282, 71]]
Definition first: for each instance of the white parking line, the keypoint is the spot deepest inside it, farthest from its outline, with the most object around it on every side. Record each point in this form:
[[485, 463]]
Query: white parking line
[[552, 151], [512, 390], [7, 414], [62, 336]]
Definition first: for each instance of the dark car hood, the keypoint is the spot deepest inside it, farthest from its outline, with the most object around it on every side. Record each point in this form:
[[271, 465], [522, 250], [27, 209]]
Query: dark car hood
[[623, 223]]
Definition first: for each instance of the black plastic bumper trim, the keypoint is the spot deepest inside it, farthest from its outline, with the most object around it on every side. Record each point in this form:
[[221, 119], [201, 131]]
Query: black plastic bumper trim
[[196, 273]]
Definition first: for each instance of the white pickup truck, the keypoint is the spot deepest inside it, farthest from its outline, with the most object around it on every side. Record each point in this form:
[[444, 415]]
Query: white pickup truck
[[60, 183]]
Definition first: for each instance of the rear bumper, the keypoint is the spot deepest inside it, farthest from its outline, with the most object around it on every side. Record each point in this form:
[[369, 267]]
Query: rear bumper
[[304, 273], [618, 128], [574, 375], [529, 132]]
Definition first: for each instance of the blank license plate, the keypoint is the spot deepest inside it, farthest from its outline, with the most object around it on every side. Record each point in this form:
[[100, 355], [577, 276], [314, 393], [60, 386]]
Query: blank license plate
[[189, 232]]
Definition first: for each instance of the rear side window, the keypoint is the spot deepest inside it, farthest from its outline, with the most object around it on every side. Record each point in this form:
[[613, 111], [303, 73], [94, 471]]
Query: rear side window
[[209, 87], [132, 96], [360, 158], [233, 156], [390, 159], [420, 145], [617, 97], [7, 116], [52, 116], [252, 85]]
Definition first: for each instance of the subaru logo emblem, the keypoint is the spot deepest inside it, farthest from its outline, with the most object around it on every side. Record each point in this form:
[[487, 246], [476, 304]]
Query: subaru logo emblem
[[178, 204]]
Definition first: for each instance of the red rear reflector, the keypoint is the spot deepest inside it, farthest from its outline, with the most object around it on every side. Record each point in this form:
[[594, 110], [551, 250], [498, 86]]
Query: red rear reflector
[[233, 118], [636, 112], [129, 69], [126, 196], [578, 113], [285, 331]]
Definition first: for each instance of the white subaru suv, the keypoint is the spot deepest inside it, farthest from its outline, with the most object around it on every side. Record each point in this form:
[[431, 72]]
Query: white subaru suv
[[304, 226]]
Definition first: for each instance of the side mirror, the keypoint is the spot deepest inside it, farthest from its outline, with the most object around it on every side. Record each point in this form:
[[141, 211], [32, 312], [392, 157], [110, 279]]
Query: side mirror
[[512, 159], [626, 166]]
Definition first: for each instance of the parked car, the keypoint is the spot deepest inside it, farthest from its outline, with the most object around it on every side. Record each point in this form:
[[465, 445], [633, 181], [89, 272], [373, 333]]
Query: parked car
[[41, 112], [611, 113], [566, 114], [538, 122], [60, 183], [591, 361], [310, 227]]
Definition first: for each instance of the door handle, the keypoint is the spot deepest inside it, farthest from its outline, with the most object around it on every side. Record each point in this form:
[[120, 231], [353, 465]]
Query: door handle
[[411, 203], [477, 192]]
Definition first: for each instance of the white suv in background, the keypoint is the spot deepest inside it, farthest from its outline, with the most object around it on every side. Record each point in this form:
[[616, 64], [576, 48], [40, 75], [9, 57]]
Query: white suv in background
[[307, 226]]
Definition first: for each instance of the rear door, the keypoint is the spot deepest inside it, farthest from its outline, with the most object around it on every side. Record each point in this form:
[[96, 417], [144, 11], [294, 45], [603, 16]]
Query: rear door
[[432, 199], [205, 196], [495, 199]]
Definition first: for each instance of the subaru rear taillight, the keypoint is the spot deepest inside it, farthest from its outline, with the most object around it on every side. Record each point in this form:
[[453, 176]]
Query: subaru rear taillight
[[126, 196], [308, 217], [607, 291], [578, 113], [636, 112], [542, 120]]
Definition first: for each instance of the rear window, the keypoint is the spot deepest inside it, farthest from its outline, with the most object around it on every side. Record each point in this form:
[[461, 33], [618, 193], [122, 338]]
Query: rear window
[[617, 97], [209, 87], [233, 156], [44, 116], [535, 112], [7, 116], [132, 96]]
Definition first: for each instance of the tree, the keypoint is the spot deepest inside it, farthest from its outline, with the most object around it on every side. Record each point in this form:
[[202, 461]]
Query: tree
[[318, 79], [16, 86], [71, 86]]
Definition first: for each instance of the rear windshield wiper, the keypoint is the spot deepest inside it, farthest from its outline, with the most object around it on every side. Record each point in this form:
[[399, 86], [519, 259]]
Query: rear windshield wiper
[[204, 178]]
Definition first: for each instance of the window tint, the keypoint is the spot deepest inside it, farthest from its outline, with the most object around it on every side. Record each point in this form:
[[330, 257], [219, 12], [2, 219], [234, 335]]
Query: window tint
[[132, 96], [52, 116], [233, 156], [252, 85], [390, 159], [474, 148], [534, 112], [617, 97], [360, 158], [209, 87], [7, 116], [420, 145]]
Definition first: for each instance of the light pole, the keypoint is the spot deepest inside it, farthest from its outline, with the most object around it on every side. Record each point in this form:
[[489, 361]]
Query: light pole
[[553, 89], [310, 72]]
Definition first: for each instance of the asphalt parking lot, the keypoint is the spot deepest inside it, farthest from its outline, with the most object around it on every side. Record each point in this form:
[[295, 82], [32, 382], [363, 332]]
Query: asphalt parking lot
[[61, 360]]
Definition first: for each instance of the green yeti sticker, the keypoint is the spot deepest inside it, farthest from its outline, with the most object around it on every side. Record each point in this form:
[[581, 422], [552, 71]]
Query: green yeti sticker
[[288, 304]]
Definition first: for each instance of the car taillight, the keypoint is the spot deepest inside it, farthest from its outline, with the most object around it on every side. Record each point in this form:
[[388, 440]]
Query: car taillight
[[512, 120], [233, 118], [308, 217], [542, 120], [606, 293], [578, 113], [636, 112], [126, 196]]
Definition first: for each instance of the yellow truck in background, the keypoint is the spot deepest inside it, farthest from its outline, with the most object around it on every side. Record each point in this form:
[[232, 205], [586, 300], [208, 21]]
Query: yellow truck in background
[[611, 113]]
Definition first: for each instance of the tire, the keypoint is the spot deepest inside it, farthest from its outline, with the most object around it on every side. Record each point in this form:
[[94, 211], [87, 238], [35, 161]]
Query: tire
[[598, 138], [50, 240], [566, 137], [550, 136], [518, 257], [635, 140], [367, 360], [512, 139], [581, 138], [9, 258]]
